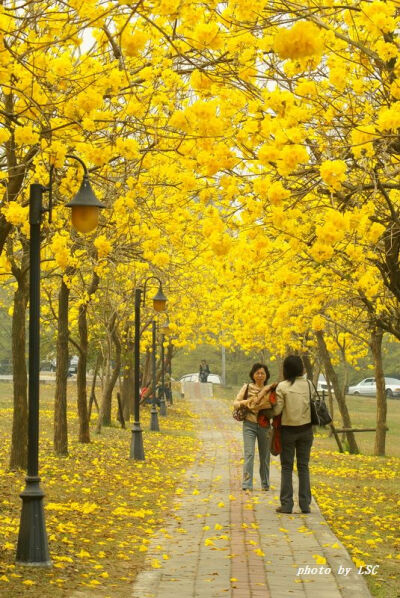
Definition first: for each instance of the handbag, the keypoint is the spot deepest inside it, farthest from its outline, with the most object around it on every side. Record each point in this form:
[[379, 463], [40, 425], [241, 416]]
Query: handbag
[[239, 413], [276, 441], [320, 415]]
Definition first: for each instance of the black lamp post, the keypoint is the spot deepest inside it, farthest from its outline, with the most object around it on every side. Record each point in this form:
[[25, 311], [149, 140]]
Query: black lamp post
[[32, 548], [154, 425], [159, 304]]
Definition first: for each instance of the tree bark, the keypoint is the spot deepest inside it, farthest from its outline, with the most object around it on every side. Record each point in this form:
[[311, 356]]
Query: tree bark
[[19, 437], [83, 412], [93, 389], [146, 376], [105, 409], [128, 383], [330, 397], [308, 365], [60, 398], [381, 401], [340, 398]]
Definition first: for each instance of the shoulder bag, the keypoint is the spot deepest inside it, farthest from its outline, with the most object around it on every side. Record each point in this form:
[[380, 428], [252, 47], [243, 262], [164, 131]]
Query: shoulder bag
[[320, 415], [239, 413]]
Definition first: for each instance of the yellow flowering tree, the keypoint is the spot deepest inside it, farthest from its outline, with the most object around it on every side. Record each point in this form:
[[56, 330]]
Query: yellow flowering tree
[[243, 152]]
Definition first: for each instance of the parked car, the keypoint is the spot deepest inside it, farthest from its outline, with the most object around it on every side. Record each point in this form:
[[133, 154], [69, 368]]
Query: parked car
[[367, 387], [213, 378], [322, 385], [73, 365], [6, 367]]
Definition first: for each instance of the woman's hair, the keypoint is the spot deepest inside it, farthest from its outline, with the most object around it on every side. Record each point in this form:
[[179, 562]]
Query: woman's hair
[[256, 367], [292, 368]]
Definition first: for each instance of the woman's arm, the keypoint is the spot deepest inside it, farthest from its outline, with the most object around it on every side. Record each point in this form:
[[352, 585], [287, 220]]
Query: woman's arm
[[238, 402], [280, 401]]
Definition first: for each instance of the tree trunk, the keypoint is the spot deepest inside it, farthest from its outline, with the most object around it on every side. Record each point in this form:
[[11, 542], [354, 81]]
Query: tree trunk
[[105, 409], [128, 384], [60, 398], [340, 398], [330, 396], [19, 438], [381, 402], [93, 389], [308, 365], [83, 413], [146, 378]]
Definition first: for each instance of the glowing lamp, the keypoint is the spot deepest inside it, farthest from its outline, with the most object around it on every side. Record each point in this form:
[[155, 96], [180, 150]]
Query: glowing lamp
[[85, 208], [160, 301]]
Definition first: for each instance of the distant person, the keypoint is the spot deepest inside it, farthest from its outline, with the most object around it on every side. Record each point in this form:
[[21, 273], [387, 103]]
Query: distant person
[[255, 396], [293, 401], [204, 370]]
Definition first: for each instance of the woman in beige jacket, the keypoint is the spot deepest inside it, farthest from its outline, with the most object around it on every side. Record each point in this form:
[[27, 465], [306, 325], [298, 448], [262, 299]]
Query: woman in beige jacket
[[257, 398], [293, 401]]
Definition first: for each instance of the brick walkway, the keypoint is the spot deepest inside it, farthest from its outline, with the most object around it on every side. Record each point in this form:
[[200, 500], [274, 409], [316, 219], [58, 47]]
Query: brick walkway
[[222, 542]]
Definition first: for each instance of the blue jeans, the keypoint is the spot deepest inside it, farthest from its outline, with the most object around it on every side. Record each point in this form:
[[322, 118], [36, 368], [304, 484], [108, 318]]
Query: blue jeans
[[296, 440], [251, 432]]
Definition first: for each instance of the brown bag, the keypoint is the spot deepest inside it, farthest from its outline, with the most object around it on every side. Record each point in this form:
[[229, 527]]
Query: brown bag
[[239, 413]]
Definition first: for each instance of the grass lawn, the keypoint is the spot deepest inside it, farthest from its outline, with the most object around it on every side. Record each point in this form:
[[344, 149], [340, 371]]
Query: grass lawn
[[359, 494], [102, 507]]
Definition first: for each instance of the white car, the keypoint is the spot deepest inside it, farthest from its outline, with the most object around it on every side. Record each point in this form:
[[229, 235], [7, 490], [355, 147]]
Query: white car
[[213, 378], [322, 385], [73, 365], [367, 387]]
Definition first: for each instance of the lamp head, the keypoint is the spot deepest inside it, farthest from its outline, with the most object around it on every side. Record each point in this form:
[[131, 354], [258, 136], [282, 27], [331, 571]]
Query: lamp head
[[160, 301], [85, 208]]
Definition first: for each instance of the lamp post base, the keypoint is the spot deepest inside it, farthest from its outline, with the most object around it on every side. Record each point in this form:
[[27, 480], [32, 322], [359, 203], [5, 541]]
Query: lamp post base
[[163, 407], [32, 548], [137, 450], [154, 425]]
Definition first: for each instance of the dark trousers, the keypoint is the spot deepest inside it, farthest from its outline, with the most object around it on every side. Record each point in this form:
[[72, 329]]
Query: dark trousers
[[296, 439]]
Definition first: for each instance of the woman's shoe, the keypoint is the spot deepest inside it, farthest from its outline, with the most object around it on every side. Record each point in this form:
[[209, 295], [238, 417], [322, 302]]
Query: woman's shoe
[[280, 510], [265, 488]]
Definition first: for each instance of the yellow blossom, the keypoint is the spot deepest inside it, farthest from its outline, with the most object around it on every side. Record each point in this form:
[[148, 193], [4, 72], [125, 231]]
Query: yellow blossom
[[333, 173], [304, 39], [102, 245]]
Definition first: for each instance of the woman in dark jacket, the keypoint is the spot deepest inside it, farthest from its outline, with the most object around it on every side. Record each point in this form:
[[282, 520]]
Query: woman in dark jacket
[[204, 370]]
